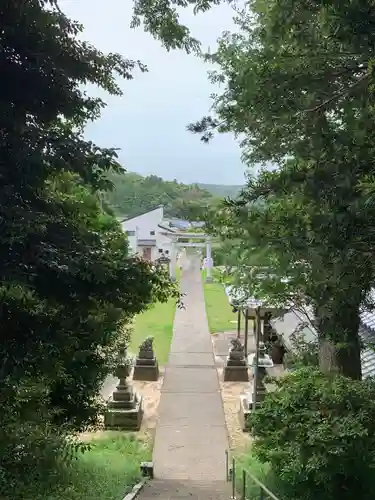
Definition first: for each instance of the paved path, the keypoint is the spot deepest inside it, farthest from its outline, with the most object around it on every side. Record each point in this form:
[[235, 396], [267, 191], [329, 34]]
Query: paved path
[[191, 435], [171, 489]]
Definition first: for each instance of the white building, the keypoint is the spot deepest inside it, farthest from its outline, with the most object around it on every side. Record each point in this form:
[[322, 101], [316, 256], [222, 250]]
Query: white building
[[147, 235], [151, 237]]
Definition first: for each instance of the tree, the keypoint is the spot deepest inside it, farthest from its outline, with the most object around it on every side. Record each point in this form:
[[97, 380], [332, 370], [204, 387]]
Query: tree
[[298, 91], [133, 194], [57, 346], [67, 282], [316, 432], [161, 20]]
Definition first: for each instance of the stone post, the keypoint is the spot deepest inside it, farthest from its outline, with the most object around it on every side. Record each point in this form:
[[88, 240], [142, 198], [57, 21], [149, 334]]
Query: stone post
[[209, 260], [172, 263], [267, 327], [136, 248], [259, 390]]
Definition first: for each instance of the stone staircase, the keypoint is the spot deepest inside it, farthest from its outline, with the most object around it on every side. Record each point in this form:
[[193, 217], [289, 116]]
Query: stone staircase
[[166, 489]]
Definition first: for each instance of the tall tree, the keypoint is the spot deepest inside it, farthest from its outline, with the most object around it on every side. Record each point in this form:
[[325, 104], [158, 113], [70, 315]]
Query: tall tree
[[298, 84], [298, 90], [67, 284]]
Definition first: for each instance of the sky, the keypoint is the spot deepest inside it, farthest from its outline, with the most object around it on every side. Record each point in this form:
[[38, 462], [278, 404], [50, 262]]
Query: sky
[[148, 123]]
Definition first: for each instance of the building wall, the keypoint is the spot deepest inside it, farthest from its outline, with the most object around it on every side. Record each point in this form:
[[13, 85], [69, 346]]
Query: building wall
[[144, 223], [142, 227], [133, 244], [163, 242]]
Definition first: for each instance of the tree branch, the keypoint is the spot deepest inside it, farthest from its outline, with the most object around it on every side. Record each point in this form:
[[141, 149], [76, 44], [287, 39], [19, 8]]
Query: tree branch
[[337, 95]]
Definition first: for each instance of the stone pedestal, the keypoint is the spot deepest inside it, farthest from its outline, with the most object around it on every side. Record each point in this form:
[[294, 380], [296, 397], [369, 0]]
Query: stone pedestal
[[246, 402], [246, 407], [244, 412], [124, 409], [235, 369], [146, 366], [146, 369]]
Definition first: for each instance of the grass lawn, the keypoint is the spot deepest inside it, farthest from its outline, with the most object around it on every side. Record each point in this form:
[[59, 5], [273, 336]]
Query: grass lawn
[[107, 472], [251, 465], [248, 462], [158, 323], [219, 312]]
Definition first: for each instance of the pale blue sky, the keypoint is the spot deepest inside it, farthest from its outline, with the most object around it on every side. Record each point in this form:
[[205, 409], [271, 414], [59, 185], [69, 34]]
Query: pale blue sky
[[149, 122]]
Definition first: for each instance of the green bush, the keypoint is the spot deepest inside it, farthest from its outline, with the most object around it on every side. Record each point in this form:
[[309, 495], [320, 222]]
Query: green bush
[[31, 446], [302, 353], [317, 432], [107, 471]]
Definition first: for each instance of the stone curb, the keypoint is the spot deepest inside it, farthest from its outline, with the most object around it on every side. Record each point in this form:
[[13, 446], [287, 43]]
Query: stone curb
[[136, 490]]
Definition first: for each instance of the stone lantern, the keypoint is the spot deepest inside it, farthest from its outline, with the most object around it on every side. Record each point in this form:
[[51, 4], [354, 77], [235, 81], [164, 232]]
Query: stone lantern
[[124, 408], [256, 395]]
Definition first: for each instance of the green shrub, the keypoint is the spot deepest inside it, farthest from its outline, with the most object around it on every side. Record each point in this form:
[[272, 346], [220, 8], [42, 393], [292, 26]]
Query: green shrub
[[302, 353], [317, 432], [107, 471], [31, 446]]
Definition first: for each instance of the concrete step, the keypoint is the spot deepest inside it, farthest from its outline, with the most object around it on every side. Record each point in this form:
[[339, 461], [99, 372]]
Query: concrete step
[[185, 490]]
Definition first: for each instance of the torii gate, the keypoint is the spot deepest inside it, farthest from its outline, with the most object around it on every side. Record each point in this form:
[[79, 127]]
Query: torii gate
[[175, 237]]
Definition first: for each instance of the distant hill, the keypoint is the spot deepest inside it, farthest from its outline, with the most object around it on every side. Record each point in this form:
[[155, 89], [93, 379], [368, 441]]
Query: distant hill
[[134, 194], [221, 190]]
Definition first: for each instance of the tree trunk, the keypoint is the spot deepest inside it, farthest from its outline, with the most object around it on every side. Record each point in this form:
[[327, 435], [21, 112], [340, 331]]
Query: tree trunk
[[339, 346]]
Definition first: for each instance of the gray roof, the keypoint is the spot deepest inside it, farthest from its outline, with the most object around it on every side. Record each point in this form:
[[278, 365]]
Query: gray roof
[[139, 214], [286, 325], [367, 335], [368, 319], [236, 298], [166, 228]]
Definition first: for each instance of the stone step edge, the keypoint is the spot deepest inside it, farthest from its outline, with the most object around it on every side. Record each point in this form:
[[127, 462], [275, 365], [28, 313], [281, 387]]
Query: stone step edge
[[187, 365], [136, 490]]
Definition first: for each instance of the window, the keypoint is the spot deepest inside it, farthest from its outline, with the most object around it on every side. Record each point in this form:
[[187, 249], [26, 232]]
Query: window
[[130, 233], [167, 252], [160, 250], [152, 233]]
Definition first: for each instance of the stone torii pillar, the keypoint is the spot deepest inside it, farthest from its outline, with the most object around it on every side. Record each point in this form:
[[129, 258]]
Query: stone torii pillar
[[173, 263], [209, 261]]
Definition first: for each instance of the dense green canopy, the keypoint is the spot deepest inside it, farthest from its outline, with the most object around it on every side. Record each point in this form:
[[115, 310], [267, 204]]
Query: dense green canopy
[[133, 194], [67, 283]]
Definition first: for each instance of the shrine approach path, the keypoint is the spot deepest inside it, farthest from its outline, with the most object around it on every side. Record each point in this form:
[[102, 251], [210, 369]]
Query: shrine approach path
[[191, 435]]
